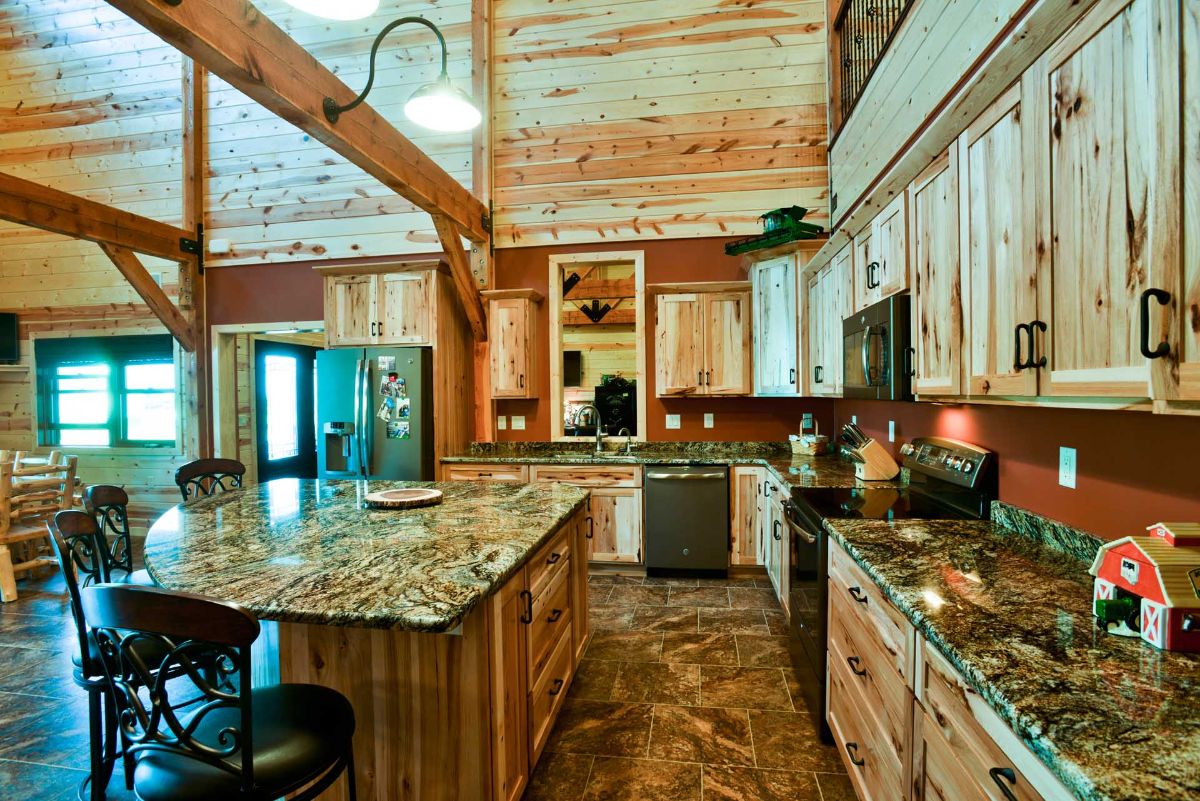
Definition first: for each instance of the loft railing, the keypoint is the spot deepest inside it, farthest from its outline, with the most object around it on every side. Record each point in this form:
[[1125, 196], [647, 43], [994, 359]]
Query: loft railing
[[860, 33]]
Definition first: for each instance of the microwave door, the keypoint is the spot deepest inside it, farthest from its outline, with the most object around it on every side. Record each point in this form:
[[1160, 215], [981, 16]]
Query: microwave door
[[854, 377]]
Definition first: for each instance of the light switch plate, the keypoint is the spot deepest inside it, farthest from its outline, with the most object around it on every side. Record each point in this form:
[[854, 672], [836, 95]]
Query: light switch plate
[[708, 420], [854, 419], [806, 422], [891, 430], [672, 421], [518, 422], [501, 423], [1066, 467]]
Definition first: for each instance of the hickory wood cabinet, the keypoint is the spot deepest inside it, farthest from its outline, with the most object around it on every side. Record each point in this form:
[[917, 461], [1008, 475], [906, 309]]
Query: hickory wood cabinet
[[827, 305], [1186, 326], [777, 362], [615, 514], [747, 486], [379, 308], [880, 255], [702, 340], [512, 342]]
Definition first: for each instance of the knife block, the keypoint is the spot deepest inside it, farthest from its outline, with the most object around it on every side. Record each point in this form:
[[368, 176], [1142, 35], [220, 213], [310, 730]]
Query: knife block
[[877, 464]]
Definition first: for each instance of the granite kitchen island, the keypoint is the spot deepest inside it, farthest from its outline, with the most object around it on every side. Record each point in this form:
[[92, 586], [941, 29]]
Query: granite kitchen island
[[454, 630]]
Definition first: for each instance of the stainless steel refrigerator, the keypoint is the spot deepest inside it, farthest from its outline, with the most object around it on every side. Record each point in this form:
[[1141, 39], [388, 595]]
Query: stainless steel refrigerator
[[375, 413]]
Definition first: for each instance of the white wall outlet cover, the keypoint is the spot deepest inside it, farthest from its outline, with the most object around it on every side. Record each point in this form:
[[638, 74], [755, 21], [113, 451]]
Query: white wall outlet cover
[[672, 421], [518, 422], [891, 430], [708, 420], [806, 422], [1066, 467], [501, 423]]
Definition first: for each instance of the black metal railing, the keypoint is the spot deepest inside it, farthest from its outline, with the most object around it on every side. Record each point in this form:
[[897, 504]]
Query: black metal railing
[[862, 31]]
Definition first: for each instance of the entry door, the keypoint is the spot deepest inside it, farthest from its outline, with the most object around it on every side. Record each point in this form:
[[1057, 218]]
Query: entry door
[[286, 429]]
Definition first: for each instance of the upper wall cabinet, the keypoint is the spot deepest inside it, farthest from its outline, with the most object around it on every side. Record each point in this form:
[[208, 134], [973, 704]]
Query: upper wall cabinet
[[777, 324], [828, 304], [936, 291], [702, 342], [881, 255], [1108, 219], [386, 308], [511, 342], [1187, 305]]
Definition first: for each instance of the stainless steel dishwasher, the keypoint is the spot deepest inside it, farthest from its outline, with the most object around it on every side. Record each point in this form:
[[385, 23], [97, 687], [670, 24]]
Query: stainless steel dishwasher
[[687, 520]]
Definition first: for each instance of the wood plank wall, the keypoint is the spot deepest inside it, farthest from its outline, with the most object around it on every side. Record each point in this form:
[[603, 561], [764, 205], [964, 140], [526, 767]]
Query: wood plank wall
[[279, 195], [640, 119]]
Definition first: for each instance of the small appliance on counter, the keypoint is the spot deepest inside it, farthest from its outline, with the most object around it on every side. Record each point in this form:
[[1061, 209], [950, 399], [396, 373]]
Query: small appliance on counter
[[1149, 586], [871, 460], [949, 480]]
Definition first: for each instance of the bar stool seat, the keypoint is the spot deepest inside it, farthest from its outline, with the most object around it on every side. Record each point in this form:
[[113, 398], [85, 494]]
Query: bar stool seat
[[299, 730]]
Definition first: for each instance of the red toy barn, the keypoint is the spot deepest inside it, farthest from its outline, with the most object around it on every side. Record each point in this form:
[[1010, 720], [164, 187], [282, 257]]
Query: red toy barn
[[1163, 570]]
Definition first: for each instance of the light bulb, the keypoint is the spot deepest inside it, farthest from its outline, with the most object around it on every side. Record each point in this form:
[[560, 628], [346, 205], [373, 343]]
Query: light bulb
[[439, 106], [337, 9]]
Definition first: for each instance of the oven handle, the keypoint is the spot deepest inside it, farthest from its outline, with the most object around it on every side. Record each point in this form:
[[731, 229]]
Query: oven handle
[[866, 356], [802, 533], [685, 476]]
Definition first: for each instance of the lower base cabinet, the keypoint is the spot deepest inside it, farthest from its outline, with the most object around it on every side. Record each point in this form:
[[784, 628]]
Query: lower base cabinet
[[745, 526]]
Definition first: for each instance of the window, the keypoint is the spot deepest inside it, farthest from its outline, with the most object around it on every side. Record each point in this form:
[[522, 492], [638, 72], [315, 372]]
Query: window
[[106, 392]]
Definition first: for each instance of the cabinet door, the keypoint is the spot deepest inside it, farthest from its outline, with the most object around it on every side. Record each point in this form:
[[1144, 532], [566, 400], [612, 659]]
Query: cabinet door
[[349, 310], [1188, 307], [775, 327], [998, 228], [889, 241], [404, 309], [579, 586], [510, 691], [746, 489], [838, 297], [616, 525], [937, 774], [727, 346], [865, 268], [1110, 196], [816, 316], [937, 295], [679, 345], [510, 327]]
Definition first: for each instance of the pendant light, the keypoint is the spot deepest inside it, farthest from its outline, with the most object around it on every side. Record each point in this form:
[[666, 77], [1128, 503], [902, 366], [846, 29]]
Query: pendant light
[[337, 9]]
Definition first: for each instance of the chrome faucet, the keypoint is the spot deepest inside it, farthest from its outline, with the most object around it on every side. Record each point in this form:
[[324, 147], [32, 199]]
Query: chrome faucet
[[625, 432], [599, 424]]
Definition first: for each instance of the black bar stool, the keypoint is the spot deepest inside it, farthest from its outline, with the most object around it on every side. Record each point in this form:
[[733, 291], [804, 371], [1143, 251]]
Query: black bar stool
[[205, 477], [109, 505], [227, 740]]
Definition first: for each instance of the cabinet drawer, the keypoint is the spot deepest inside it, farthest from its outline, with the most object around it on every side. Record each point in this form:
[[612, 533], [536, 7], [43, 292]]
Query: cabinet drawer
[[876, 616], [587, 476], [978, 738], [550, 560], [487, 472], [880, 688], [551, 617], [547, 693], [873, 768]]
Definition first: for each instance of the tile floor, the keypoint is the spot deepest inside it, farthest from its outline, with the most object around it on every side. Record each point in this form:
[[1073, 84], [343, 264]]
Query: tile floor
[[685, 694]]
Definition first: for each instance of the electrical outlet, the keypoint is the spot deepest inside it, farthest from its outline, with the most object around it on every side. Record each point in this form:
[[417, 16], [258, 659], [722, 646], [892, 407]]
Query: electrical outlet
[[672, 421], [806, 422], [518, 422], [1066, 467], [708, 420], [854, 419], [891, 430], [501, 423]]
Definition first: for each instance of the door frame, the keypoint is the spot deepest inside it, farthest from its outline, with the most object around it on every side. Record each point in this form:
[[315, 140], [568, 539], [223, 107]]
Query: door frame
[[224, 380]]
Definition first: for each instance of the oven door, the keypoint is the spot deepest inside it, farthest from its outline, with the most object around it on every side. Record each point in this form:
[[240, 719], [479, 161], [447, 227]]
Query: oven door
[[807, 601]]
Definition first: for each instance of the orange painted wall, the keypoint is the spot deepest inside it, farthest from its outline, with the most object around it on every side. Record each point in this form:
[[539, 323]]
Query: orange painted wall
[[736, 419]]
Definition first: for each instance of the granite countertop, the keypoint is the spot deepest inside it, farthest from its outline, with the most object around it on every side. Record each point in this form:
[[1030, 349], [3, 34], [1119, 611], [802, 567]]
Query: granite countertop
[[793, 471], [1114, 718], [306, 551]]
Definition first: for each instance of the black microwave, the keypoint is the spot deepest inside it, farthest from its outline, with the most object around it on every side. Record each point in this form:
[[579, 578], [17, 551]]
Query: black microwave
[[877, 362]]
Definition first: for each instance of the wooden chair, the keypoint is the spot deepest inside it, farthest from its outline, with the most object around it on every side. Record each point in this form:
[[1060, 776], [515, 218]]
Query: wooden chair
[[235, 742], [109, 505], [31, 492], [205, 477]]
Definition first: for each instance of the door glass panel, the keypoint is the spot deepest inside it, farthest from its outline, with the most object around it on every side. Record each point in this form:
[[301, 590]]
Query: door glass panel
[[282, 408]]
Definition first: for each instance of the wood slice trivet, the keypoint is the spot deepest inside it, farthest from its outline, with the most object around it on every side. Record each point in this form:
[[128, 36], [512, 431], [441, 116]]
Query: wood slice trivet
[[404, 498]]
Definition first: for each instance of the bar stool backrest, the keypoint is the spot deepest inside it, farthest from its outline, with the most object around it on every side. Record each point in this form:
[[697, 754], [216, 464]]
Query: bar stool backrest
[[205, 477], [75, 539], [110, 506]]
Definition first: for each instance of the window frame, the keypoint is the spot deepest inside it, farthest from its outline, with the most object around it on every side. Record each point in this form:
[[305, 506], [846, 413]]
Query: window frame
[[118, 352]]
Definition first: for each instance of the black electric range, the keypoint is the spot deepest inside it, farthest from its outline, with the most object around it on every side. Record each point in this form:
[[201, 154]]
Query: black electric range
[[949, 480]]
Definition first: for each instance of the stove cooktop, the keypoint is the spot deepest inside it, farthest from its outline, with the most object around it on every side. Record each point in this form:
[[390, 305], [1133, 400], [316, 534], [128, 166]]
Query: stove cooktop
[[881, 503]]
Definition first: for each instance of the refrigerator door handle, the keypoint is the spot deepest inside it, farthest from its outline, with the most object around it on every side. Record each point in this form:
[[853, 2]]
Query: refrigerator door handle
[[358, 416], [366, 439]]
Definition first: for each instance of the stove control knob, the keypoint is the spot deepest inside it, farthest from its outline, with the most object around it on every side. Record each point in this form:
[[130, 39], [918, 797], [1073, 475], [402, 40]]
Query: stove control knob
[[907, 449], [953, 462], [967, 466]]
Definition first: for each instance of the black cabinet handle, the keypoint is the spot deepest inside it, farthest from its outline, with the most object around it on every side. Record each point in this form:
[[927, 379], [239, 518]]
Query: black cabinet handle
[[379, 327], [521, 380], [591, 528], [1162, 348], [857, 594], [700, 378], [1040, 326], [775, 528], [553, 558], [872, 282], [818, 375], [855, 759], [372, 329], [854, 661], [557, 688], [1007, 774], [708, 379], [527, 615], [555, 616], [1018, 363], [791, 375], [910, 362]]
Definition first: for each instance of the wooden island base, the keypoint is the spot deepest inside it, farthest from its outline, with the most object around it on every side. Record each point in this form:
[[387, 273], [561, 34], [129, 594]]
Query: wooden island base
[[452, 717]]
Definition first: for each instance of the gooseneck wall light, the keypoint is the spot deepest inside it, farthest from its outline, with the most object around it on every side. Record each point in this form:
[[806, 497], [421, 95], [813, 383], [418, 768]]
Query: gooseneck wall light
[[438, 106]]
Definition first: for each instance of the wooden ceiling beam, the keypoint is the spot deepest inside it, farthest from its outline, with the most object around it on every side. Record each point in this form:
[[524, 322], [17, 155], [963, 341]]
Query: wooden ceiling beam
[[148, 289], [27, 203], [464, 280], [241, 45]]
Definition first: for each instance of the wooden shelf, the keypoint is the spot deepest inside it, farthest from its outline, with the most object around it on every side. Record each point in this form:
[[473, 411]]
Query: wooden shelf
[[700, 286], [382, 267], [512, 294]]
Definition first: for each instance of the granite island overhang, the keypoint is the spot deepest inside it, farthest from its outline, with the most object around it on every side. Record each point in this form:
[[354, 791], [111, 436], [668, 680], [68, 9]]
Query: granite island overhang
[[444, 626]]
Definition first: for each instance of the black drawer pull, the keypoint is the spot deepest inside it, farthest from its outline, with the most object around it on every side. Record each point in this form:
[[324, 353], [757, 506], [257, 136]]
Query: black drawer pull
[[527, 616], [1007, 774], [591, 528], [553, 558], [855, 759], [854, 661], [1162, 348], [555, 616], [557, 688], [857, 594]]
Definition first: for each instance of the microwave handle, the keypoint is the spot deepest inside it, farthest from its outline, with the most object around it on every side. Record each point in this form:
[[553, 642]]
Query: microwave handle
[[866, 357]]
